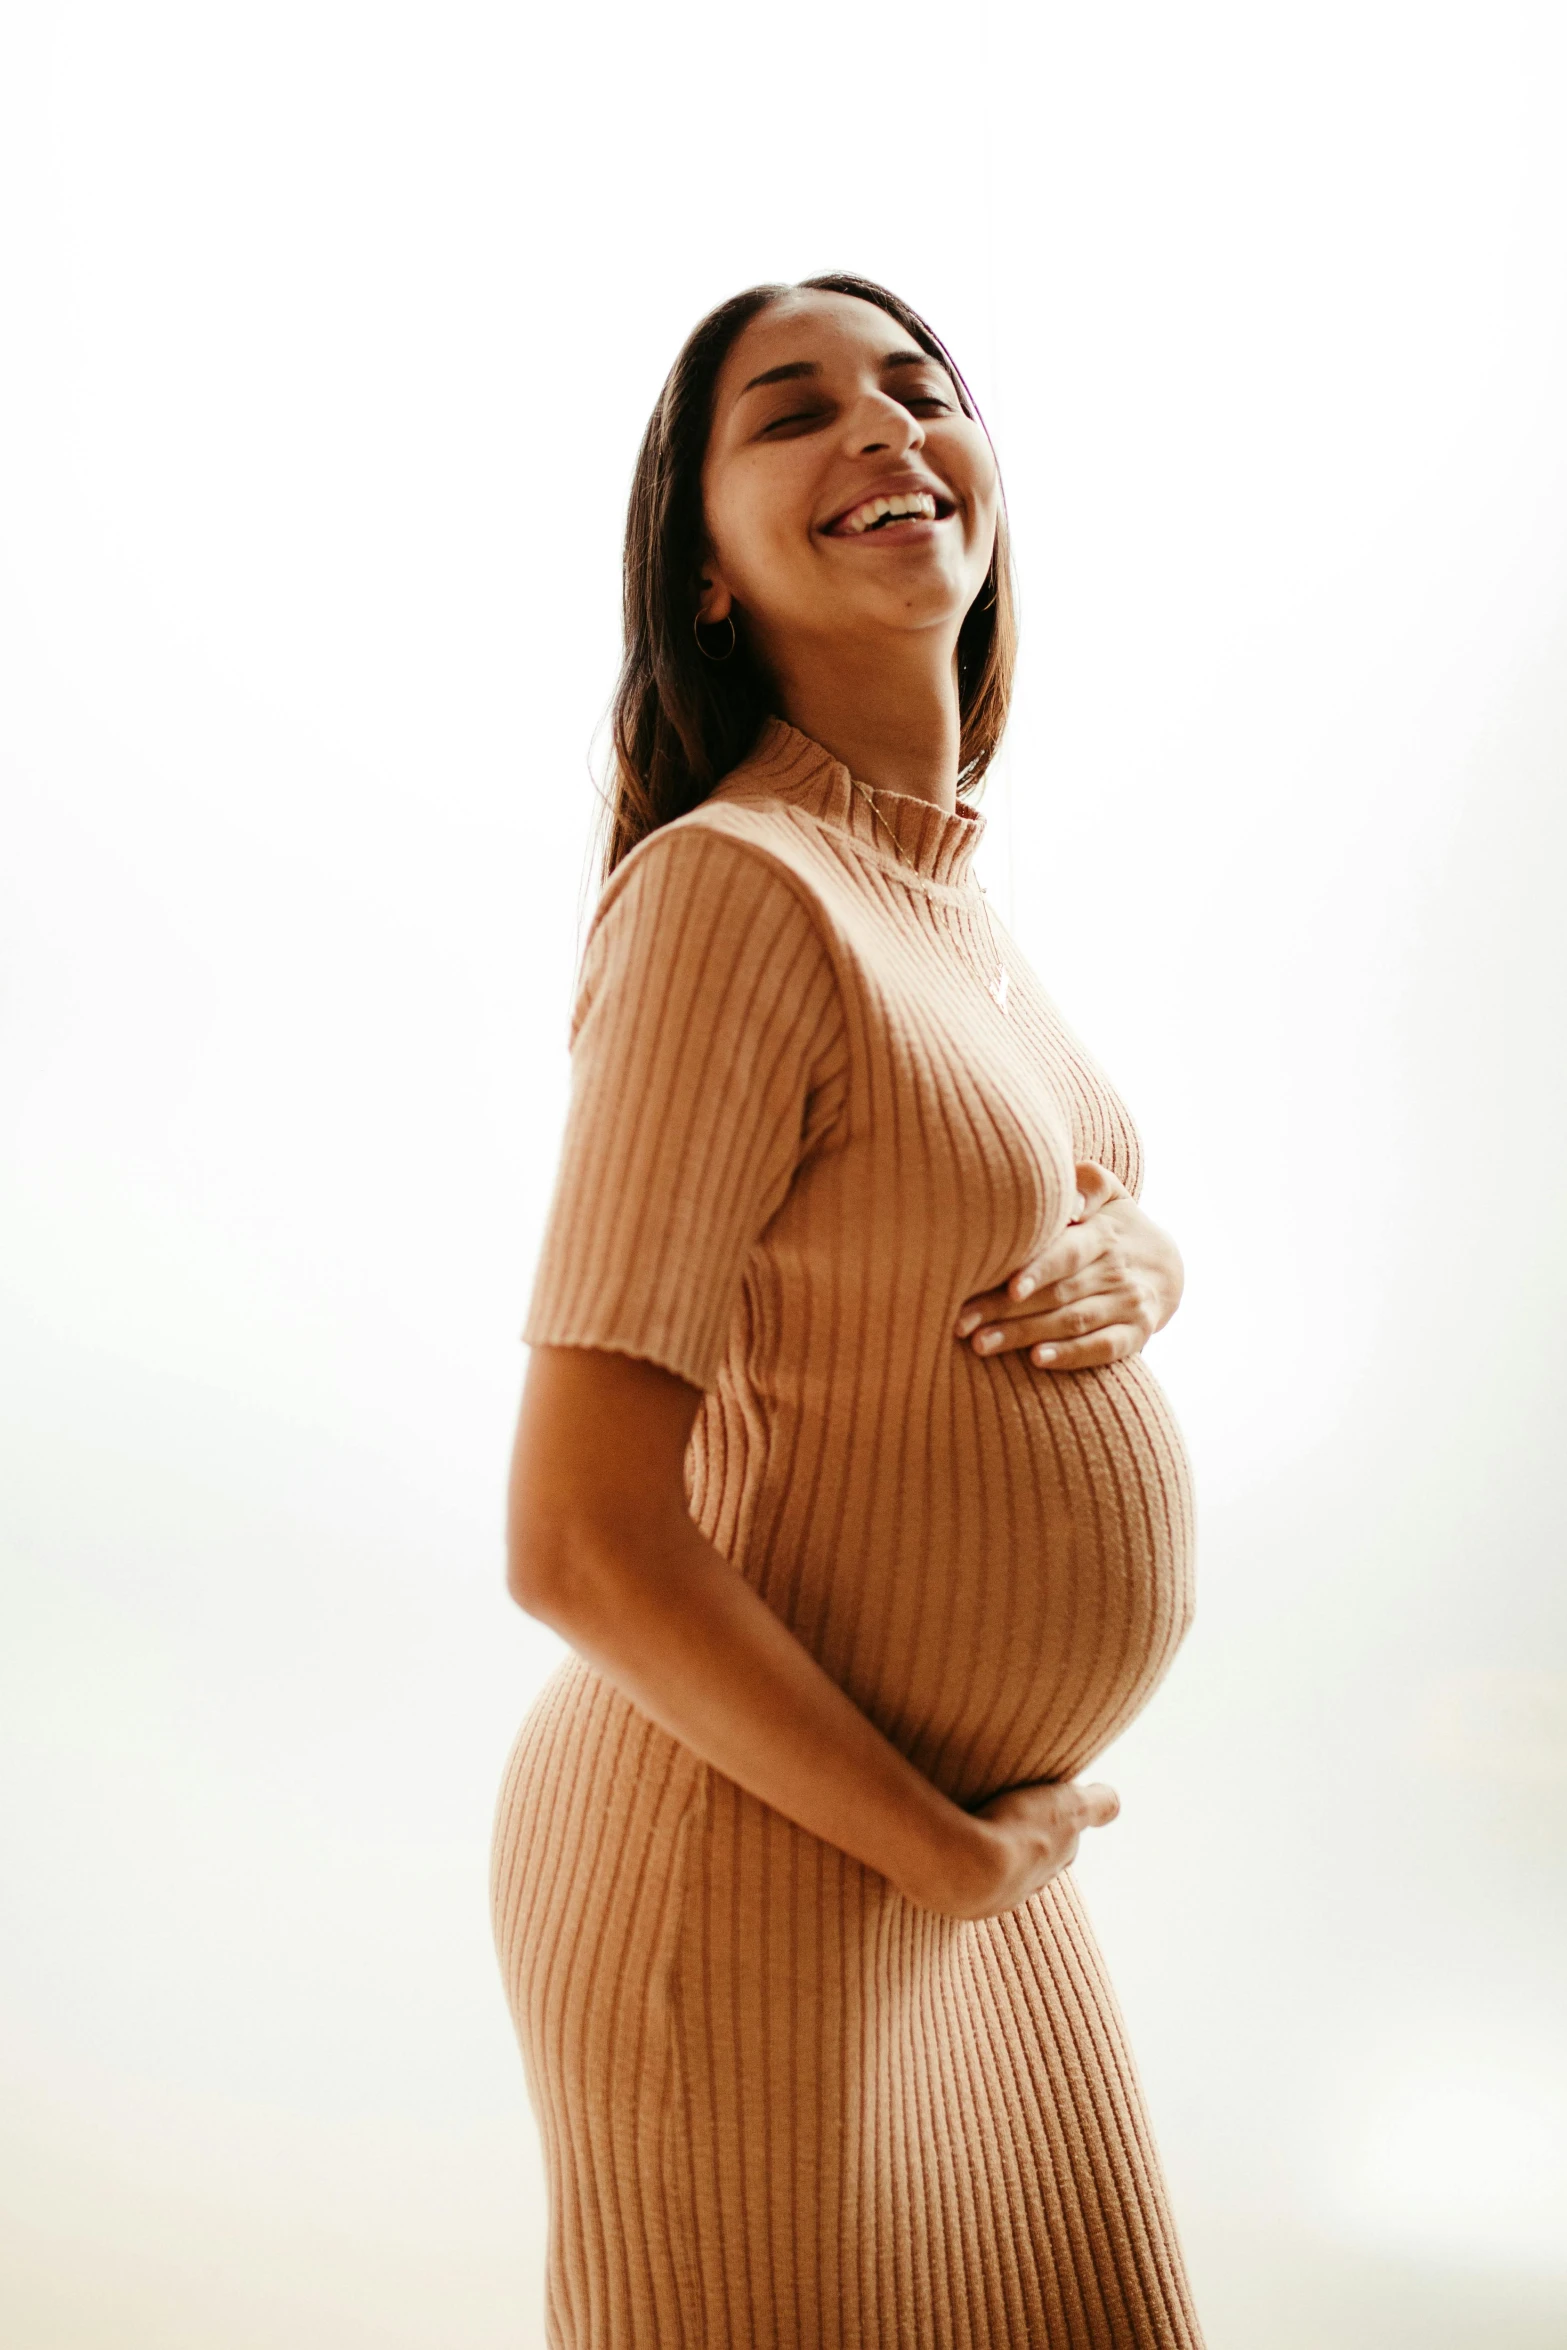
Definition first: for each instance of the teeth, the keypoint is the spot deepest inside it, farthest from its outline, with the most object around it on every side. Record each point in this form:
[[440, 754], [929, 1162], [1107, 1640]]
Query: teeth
[[918, 503]]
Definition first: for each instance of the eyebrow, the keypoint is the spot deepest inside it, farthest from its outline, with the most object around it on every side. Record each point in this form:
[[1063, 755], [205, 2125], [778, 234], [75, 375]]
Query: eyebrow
[[793, 369]]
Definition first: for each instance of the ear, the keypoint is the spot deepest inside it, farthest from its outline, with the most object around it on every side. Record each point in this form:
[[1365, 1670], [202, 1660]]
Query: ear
[[715, 600]]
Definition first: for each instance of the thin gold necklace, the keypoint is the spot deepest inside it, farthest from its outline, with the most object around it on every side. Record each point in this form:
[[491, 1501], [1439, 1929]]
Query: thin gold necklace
[[998, 985]]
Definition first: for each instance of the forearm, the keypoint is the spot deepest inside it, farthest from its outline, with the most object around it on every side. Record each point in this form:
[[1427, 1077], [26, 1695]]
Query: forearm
[[673, 1625]]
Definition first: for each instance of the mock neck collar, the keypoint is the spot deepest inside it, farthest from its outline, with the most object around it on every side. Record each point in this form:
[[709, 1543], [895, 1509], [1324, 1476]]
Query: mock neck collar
[[785, 764]]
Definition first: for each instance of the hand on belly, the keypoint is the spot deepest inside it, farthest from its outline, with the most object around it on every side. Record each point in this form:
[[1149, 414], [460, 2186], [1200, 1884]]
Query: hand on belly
[[1095, 1295]]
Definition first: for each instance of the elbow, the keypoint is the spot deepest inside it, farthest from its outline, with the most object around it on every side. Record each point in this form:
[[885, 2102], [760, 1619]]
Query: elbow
[[519, 1586], [553, 1569], [532, 1571], [534, 1546]]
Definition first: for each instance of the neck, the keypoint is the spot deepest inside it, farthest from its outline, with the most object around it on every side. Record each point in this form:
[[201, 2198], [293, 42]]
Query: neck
[[891, 718]]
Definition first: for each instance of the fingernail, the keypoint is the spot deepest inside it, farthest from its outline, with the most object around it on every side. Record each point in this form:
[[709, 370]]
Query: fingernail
[[968, 1322], [1024, 1285], [1043, 1355], [987, 1342]]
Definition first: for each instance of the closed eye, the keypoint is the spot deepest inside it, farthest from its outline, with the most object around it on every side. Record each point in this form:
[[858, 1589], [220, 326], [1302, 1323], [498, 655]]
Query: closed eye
[[796, 416], [809, 416]]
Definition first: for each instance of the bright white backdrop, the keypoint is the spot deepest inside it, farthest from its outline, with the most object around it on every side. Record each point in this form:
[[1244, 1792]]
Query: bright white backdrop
[[330, 330]]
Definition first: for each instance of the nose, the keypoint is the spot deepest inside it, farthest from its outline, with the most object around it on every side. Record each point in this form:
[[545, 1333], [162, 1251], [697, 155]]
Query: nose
[[880, 425]]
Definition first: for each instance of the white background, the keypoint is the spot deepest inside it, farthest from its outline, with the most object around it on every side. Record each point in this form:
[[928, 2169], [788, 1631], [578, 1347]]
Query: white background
[[330, 333]]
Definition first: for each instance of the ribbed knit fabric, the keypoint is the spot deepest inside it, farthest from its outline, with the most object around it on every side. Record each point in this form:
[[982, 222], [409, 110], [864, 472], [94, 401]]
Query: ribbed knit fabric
[[782, 2107]]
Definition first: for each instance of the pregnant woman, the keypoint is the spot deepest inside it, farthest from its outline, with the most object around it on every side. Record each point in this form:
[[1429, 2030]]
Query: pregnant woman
[[838, 1465]]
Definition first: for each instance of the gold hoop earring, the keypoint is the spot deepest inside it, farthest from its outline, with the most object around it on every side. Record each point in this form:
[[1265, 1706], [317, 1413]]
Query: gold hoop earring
[[734, 636]]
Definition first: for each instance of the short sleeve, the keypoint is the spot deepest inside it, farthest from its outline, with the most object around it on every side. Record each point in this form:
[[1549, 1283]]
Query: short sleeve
[[705, 1036]]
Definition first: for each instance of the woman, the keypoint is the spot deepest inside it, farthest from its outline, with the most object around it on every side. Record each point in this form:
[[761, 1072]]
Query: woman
[[837, 1465]]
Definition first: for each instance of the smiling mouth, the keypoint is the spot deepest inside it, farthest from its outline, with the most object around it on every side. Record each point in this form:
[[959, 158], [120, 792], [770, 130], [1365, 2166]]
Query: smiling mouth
[[879, 513]]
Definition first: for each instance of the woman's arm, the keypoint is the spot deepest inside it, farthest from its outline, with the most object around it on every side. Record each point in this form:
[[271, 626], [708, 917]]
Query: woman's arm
[[602, 1547]]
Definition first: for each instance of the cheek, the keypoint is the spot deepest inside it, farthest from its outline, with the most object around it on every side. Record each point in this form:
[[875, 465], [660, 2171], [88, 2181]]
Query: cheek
[[759, 518], [975, 467]]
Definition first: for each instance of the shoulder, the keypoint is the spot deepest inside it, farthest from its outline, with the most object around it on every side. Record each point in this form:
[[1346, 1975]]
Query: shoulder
[[724, 862], [710, 907]]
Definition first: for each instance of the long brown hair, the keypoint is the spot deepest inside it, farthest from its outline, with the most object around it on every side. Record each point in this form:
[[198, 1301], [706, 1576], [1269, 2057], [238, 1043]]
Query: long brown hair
[[679, 721]]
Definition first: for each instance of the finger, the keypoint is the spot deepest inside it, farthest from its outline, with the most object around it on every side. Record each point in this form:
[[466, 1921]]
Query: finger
[[1072, 1253], [994, 1305], [1096, 1186], [1072, 1247], [1090, 1354], [1099, 1311], [1100, 1804], [1070, 1258], [1090, 1281]]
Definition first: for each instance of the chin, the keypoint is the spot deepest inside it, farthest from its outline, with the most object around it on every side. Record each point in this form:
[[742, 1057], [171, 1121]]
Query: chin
[[915, 603]]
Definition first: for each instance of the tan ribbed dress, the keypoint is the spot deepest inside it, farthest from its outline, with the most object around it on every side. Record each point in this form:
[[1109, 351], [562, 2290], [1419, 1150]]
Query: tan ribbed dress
[[817, 1101]]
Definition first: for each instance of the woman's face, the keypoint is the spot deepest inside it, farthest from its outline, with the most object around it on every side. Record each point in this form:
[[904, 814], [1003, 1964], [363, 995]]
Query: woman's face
[[845, 491]]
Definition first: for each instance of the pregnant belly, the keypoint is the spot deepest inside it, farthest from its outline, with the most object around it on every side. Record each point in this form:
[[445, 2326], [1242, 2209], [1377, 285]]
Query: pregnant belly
[[1003, 1591], [1067, 1606]]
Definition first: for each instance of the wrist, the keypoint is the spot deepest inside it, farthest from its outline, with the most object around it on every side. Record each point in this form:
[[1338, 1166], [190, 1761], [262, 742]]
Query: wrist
[[960, 1863]]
